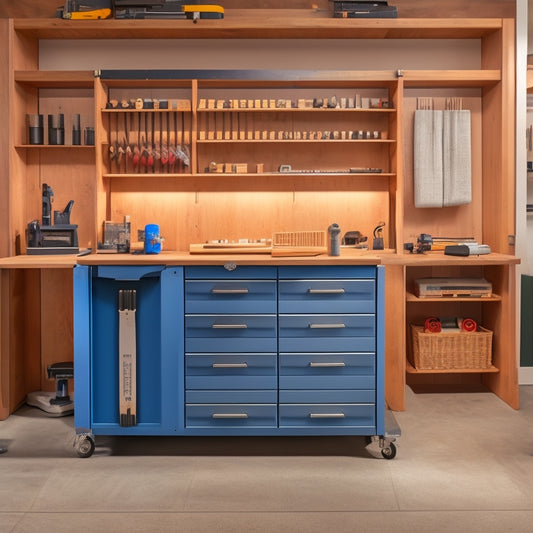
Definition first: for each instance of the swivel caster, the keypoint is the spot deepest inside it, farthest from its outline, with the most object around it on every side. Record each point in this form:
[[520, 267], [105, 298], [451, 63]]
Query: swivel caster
[[84, 446], [389, 452]]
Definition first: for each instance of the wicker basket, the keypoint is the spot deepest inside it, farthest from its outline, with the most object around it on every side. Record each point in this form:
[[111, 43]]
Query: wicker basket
[[451, 350]]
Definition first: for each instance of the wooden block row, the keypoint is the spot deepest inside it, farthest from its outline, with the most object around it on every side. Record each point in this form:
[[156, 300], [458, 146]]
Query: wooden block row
[[282, 135], [357, 102]]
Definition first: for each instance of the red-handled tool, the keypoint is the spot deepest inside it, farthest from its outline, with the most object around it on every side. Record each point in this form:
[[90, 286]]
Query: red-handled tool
[[467, 324], [432, 325]]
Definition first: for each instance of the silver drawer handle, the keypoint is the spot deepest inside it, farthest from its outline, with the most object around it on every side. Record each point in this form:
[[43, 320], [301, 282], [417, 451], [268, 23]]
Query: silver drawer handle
[[326, 291], [229, 415], [229, 326], [326, 415], [230, 291], [325, 365], [327, 326], [230, 365]]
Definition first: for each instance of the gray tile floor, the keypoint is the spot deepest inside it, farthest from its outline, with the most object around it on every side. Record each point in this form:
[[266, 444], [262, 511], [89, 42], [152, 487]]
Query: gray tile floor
[[464, 464]]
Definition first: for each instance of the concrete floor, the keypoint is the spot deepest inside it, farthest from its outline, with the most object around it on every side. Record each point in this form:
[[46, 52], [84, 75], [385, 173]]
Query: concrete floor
[[464, 464]]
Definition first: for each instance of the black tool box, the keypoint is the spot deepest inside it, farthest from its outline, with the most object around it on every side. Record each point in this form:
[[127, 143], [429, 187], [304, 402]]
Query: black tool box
[[363, 9]]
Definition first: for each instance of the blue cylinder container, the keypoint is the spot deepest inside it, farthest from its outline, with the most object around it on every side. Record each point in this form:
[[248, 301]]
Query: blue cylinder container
[[152, 239]]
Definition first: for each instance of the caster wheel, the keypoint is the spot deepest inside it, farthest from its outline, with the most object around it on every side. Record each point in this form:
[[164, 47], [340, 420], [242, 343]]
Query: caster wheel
[[85, 446], [389, 452]]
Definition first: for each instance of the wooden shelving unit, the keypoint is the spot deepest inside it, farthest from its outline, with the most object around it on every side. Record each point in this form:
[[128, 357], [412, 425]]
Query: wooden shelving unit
[[188, 204]]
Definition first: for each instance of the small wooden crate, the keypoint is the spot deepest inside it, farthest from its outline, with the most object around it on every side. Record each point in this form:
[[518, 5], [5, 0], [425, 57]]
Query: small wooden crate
[[451, 350], [295, 243]]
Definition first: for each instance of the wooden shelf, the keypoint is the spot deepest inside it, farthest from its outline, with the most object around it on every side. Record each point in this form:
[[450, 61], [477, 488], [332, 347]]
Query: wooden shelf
[[54, 146], [149, 175], [295, 110], [218, 175], [146, 110], [410, 369], [262, 24], [56, 78], [411, 298], [451, 78], [297, 141], [439, 259]]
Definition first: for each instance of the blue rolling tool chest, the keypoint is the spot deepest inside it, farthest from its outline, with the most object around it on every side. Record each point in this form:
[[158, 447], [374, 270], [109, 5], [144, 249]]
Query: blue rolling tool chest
[[230, 350]]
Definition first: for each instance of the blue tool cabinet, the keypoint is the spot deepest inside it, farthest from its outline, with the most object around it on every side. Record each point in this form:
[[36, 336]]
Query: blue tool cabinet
[[233, 350]]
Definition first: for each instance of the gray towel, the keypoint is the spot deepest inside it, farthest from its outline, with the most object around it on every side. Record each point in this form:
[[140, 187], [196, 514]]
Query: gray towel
[[428, 160], [456, 151]]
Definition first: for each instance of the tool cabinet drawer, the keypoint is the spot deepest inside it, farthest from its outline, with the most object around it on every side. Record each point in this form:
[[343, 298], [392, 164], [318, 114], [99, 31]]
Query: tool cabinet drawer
[[239, 296], [231, 371], [231, 415], [327, 333], [327, 371], [333, 296], [327, 396], [230, 333], [327, 272], [231, 396], [239, 272], [327, 415]]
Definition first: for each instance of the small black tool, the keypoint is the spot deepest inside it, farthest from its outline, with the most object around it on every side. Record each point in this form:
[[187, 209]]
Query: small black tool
[[61, 372], [63, 217], [467, 249], [352, 238], [457, 249], [377, 243], [48, 198], [423, 244]]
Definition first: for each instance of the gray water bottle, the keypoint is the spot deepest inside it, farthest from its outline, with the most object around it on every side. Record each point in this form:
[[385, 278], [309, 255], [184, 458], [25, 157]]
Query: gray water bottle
[[334, 239]]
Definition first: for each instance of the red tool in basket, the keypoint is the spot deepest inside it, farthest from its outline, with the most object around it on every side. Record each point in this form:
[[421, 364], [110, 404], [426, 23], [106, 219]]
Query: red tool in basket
[[435, 325]]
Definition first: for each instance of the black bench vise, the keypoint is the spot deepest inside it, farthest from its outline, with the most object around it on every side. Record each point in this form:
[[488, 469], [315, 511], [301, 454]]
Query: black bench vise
[[61, 372], [47, 239]]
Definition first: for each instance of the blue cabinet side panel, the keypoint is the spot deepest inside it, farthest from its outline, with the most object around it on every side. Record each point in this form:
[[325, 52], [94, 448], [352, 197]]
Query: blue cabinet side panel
[[172, 368], [380, 351], [82, 348]]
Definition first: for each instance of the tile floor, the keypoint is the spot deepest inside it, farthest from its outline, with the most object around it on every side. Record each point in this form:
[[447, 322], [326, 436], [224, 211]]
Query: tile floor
[[464, 464]]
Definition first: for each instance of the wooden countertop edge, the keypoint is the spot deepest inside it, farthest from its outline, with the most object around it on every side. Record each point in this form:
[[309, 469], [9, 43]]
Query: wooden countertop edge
[[347, 257], [439, 259]]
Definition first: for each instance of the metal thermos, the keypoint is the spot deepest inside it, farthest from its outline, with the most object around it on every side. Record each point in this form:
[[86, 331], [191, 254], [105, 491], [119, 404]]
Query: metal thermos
[[334, 239]]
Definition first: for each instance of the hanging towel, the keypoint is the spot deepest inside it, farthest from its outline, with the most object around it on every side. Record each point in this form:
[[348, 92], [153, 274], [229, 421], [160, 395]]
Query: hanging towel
[[428, 171], [456, 152]]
